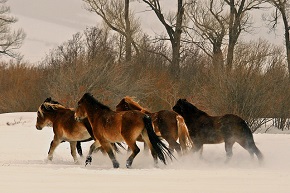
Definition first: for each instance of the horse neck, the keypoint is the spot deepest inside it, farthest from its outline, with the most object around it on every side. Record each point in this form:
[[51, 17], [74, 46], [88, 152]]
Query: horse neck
[[139, 108], [93, 110], [53, 116]]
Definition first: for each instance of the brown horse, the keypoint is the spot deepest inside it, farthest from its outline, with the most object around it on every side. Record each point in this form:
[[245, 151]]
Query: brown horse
[[65, 127], [168, 124], [110, 126], [205, 129]]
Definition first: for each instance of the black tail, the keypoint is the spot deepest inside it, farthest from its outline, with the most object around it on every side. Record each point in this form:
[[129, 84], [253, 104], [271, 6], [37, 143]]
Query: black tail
[[250, 141], [159, 147]]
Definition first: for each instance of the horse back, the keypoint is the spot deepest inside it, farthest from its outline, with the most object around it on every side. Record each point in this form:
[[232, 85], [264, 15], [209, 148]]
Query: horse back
[[165, 122]]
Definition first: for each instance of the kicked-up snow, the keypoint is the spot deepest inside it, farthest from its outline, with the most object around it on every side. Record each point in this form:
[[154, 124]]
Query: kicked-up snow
[[24, 168]]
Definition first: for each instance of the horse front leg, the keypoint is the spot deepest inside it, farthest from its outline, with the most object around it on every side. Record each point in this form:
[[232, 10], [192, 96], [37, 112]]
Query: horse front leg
[[94, 146], [54, 143], [73, 151], [108, 148]]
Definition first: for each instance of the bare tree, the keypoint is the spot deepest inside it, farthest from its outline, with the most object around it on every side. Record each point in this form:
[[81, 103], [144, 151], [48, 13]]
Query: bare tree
[[116, 14], [281, 10], [210, 21], [9, 40], [239, 21], [174, 31]]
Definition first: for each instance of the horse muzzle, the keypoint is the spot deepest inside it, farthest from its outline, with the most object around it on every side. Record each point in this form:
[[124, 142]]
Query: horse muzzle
[[38, 127], [78, 119]]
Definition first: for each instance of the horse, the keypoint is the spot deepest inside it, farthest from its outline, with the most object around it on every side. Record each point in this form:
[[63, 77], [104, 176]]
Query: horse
[[78, 146], [168, 124], [65, 127], [109, 126], [206, 129]]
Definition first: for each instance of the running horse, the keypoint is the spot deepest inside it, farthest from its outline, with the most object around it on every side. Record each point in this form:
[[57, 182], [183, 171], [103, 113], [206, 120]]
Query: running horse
[[169, 124], [109, 126], [206, 129], [65, 127]]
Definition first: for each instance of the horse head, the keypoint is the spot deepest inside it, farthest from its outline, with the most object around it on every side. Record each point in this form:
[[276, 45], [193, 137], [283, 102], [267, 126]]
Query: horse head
[[122, 106], [45, 109]]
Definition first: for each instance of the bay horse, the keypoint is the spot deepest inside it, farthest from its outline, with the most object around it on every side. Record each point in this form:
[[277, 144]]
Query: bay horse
[[65, 127], [206, 129], [168, 124], [110, 126]]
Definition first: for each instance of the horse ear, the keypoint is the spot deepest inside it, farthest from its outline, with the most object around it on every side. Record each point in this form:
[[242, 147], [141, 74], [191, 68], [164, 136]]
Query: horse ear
[[48, 99]]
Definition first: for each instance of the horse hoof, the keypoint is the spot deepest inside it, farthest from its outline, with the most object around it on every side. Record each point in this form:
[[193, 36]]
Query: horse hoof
[[88, 160], [116, 165], [129, 163]]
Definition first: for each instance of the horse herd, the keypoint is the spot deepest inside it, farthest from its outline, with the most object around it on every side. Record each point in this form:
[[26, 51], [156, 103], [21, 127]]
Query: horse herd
[[185, 129]]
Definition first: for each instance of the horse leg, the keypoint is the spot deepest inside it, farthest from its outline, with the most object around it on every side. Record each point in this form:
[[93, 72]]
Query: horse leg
[[95, 145], [73, 151], [173, 145], [79, 148], [135, 150], [54, 143], [251, 147], [108, 148], [229, 149], [148, 143]]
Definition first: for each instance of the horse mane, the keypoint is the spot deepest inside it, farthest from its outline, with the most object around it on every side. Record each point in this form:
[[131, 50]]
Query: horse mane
[[91, 99], [131, 101], [50, 107], [193, 107]]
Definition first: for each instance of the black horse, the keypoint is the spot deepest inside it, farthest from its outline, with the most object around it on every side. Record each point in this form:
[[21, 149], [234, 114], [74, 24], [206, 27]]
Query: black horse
[[205, 129]]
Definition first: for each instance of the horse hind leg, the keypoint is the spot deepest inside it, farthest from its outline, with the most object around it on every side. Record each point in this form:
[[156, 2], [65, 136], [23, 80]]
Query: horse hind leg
[[229, 150], [135, 150], [251, 147], [73, 151], [108, 148], [79, 148]]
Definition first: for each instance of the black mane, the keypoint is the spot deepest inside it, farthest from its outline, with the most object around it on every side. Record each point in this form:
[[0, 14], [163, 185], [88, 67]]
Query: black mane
[[190, 107], [91, 99]]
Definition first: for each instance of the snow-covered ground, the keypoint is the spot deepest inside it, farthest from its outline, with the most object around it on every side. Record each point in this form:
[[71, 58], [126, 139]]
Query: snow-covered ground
[[24, 168]]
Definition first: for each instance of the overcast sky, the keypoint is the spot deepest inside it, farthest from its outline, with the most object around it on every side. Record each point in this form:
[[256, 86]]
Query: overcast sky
[[48, 23]]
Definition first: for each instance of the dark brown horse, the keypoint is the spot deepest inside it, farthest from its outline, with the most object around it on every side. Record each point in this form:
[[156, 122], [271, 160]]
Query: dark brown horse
[[168, 124], [65, 127], [205, 129], [110, 126]]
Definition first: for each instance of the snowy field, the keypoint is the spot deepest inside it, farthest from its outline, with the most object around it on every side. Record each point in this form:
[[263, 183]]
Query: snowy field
[[24, 168]]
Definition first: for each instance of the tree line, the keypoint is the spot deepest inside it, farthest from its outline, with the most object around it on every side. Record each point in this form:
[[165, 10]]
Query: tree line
[[200, 57]]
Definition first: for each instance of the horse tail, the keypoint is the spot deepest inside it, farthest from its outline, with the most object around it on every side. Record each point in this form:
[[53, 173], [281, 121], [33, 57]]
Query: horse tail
[[183, 134], [158, 146], [250, 143]]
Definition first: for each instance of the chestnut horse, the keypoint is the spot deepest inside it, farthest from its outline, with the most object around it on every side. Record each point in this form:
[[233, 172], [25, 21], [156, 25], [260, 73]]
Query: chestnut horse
[[65, 127], [169, 124], [205, 129], [110, 126]]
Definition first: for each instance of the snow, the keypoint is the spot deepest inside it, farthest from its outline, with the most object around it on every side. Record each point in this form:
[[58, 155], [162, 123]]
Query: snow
[[24, 168]]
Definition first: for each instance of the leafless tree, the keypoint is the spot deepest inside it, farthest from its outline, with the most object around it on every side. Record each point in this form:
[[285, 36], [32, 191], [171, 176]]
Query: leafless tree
[[282, 11], [116, 14], [10, 40], [210, 21], [174, 31], [239, 21]]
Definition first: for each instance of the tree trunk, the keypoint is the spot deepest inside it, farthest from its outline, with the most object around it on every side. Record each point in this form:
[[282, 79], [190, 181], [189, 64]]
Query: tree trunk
[[128, 37], [287, 41], [175, 42]]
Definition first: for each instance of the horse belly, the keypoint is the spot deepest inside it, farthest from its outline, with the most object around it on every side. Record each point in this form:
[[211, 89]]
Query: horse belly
[[213, 138], [75, 135]]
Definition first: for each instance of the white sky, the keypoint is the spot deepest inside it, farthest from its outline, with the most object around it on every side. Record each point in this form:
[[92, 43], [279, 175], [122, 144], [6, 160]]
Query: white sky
[[48, 23]]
